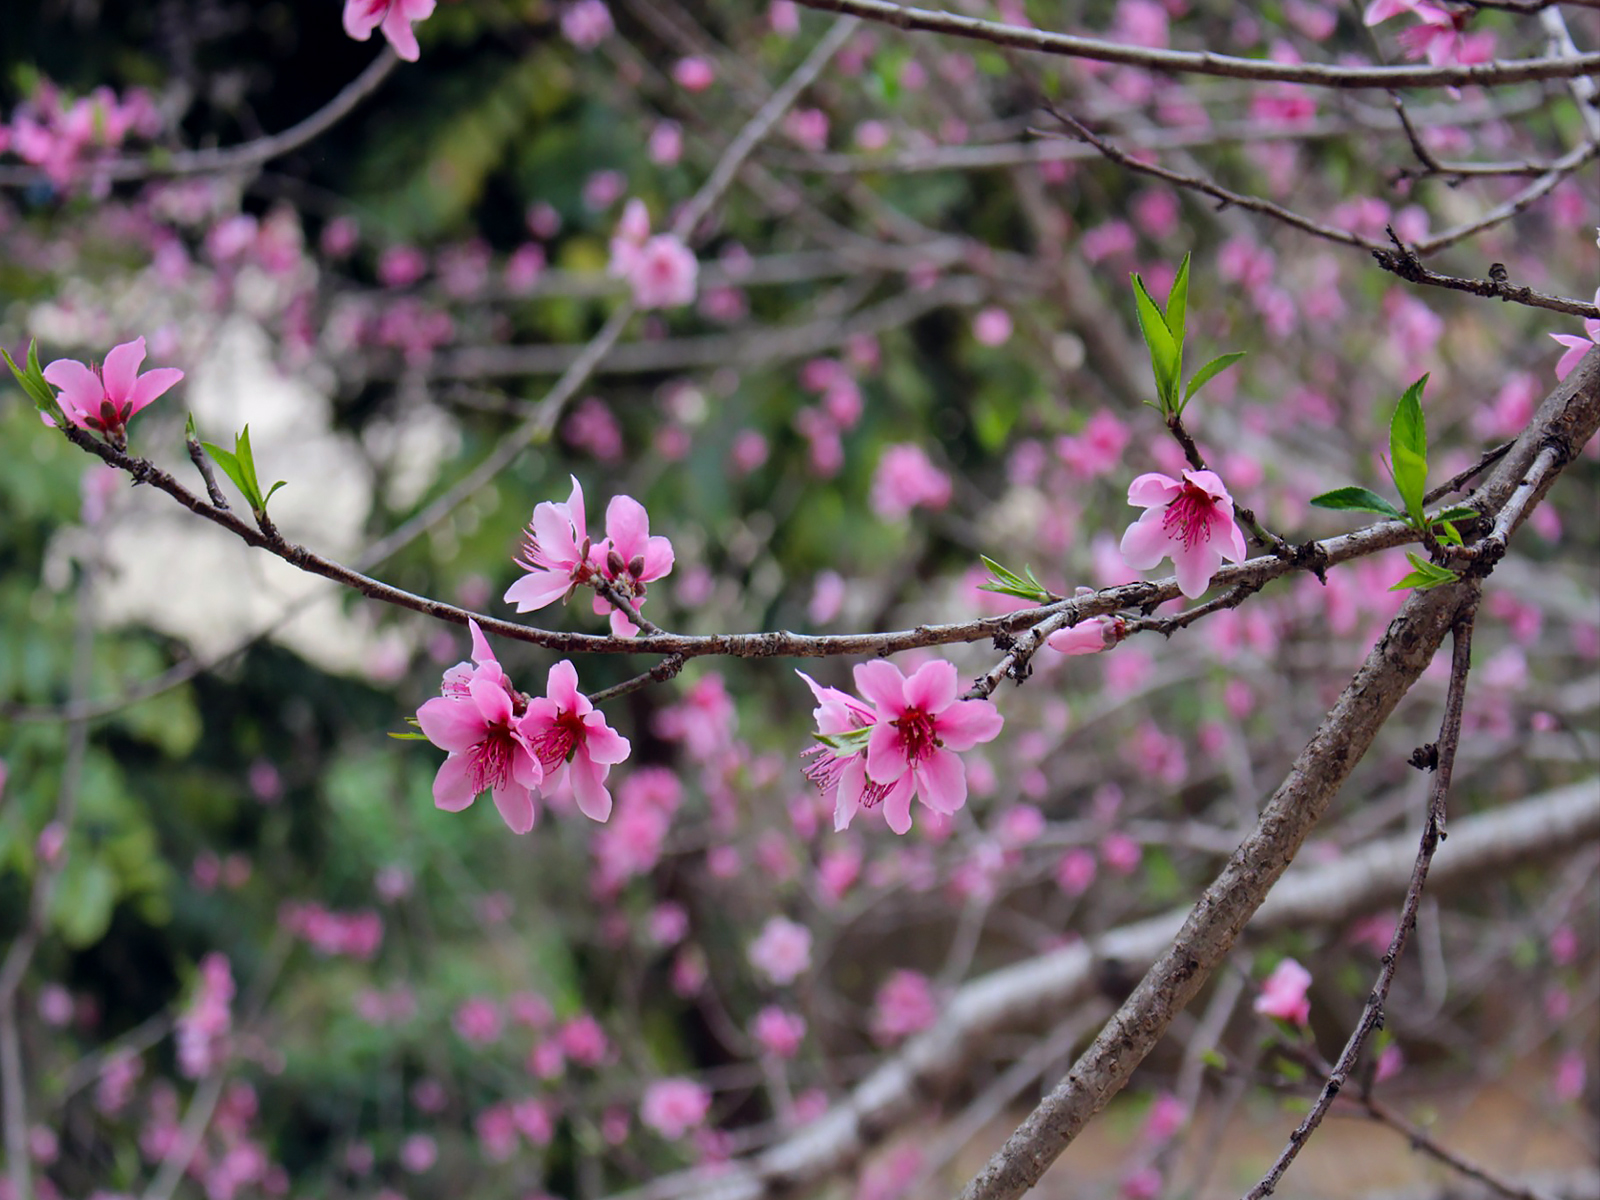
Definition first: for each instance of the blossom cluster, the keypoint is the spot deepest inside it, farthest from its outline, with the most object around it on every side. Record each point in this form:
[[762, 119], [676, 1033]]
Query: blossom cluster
[[63, 137], [514, 746]]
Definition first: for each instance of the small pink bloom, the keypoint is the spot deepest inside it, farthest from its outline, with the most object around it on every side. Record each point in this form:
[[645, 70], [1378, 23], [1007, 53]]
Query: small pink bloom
[[1167, 1115], [1121, 853], [672, 1107], [913, 747], [1191, 522], [557, 553], [1390, 1063], [664, 273], [478, 1021], [479, 720], [693, 74], [905, 479], [1571, 1074], [392, 17], [104, 399], [904, 1005], [1076, 871], [418, 1153], [992, 326], [779, 1031], [1089, 636], [586, 23], [584, 1042], [573, 743], [1283, 993], [782, 952], [630, 558]]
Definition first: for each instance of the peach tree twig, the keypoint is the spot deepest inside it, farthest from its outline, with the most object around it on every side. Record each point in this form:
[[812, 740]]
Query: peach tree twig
[[1183, 62], [1443, 756]]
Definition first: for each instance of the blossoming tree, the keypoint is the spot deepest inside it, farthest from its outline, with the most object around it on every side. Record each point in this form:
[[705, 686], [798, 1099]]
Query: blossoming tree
[[873, 325]]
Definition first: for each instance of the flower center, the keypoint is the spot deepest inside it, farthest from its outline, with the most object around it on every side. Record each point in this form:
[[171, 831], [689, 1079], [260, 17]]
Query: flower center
[[491, 759], [918, 733], [556, 744], [1188, 517]]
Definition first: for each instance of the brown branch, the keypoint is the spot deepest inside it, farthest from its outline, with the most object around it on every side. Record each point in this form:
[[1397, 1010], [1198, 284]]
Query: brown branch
[[233, 158], [1189, 63], [1433, 832], [1403, 261], [1567, 418]]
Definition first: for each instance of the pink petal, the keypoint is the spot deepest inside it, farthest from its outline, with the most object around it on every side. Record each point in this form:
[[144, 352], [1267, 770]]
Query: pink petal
[[481, 653], [515, 805], [491, 700], [1146, 541], [150, 386], [397, 28], [1152, 489], [553, 530], [588, 787], [537, 589], [580, 522], [897, 805], [525, 768], [1577, 347], [562, 685], [628, 526], [932, 687], [658, 559], [881, 683], [1234, 547], [121, 370], [621, 626], [602, 743], [453, 725], [967, 722], [361, 17], [1211, 484], [886, 754], [847, 800], [80, 387], [1194, 567], [942, 781], [452, 786]]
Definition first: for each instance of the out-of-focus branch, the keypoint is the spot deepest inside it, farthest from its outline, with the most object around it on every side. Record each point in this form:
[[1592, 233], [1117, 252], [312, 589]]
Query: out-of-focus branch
[[1183, 62], [233, 158], [1023, 995]]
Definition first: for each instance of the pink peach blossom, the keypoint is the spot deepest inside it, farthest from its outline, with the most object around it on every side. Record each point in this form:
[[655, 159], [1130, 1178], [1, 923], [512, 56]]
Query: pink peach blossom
[[586, 23], [479, 721], [630, 558], [1283, 993], [778, 1031], [912, 750], [104, 399], [1576, 346], [573, 743], [1089, 636], [557, 554], [1191, 522], [664, 273], [672, 1107], [905, 479], [782, 951], [904, 1005], [393, 18]]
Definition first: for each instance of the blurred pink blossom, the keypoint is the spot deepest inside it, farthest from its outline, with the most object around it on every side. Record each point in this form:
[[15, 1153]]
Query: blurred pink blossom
[[693, 74], [672, 1107], [907, 479], [903, 1006], [1283, 993], [778, 1031], [586, 23], [782, 951]]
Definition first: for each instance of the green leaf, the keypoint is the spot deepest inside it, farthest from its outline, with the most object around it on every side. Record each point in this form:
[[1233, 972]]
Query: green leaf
[[1357, 499], [1408, 450], [1178, 303], [32, 381], [1008, 583], [1456, 513], [1209, 372], [1424, 574], [1164, 351], [846, 744], [1448, 534], [410, 737], [240, 466]]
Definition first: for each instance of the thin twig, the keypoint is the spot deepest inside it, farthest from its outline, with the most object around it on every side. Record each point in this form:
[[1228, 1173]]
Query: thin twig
[[1433, 832], [1184, 62]]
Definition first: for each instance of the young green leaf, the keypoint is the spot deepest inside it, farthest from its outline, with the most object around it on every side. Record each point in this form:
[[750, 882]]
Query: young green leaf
[[1424, 574], [1357, 499], [1209, 372], [30, 378], [1456, 513], [234, 470], [409, 737], [847, 743], [1408, 450], [1448, 534], [1008, 583], [1164, 351], [1178, 303]]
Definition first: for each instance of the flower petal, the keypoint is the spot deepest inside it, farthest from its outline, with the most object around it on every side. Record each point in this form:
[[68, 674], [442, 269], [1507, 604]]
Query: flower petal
[[450, 724], [452, 786], [588, 787], [886, 754], [967, 722], [516, 806], [942, 781], [1194, 567], [81, 393], [150, 386], [1146, 541], [580, 522], [627, 525], [932, 687], [658, 559], [537, 589], [602, 743], [881, 683], [1152, 489], [121, 371], [561, 685], [491, 699], [897, 805]]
